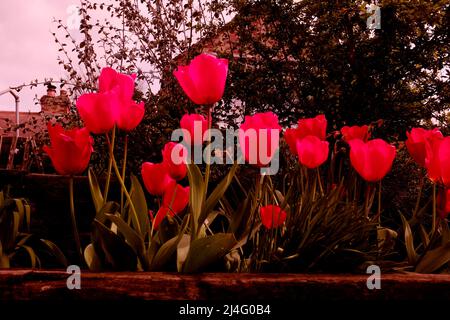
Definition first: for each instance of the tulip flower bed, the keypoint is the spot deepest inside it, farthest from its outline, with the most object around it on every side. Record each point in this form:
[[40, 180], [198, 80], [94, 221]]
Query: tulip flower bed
[[310, 202]]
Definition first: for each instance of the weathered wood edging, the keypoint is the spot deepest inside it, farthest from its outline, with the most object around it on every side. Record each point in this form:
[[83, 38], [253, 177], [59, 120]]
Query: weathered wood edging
[[51, 285]]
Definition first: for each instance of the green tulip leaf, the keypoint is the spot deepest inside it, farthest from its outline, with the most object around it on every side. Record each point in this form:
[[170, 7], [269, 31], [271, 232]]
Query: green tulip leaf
[[206, 251], [207, 222], [55, 251], [165, 254], [4, 262], [92, 260], [240, 222], [434, 259], [409, 242], [109, 207], [445, 232], [34, 260], [131, 236], [15, 233], [28, 216], [167, 251], [20, 210], [140, 204], [197, 193], [152, 250], [424, 236], [217, 194], [118, 254], [96, 193], [168, 228], [182, 251]]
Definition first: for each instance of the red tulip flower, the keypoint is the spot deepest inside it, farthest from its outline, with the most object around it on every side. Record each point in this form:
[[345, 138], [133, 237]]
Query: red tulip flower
[[176, 198], [312, 152], [130, 115], [156, 178], [175, 157], [160, 215], [71, 149], [417, 142], [438, 161], [291, 138], [355, 132], [203, 80], [195, 126], [443, 202], [272, 216], [99, 111], [373, 159], [111, 80], [312, 127], [259, 138], [113, 104], [306, 127]]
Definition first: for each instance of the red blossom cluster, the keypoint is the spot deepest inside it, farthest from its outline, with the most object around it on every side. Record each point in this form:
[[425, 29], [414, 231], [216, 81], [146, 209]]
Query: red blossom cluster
[[203, 81]]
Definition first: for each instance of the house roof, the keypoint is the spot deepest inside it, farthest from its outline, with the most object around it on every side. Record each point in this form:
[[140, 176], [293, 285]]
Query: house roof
[[8, 120]]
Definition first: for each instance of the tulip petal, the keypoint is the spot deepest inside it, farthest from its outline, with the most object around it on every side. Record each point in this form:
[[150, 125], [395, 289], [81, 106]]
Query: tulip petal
[[71, 150], [188, 86], [209, 75], [443, 203], [291, 140], [417, 141], [312, 127], [259, 137], [156, 178], [372, 160], [444, 159], [130, 116], [312, 152], [355, 132], [176, 198], [99, 111], [203, 81], [195, 125], [112, 80], [272, 216], [160, 215], [175, 158]]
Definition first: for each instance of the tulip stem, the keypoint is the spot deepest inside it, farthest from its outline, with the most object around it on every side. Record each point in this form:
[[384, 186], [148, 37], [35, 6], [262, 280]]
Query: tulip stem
[[124, 169], [379, 203], [433, 225], [76, 236], [419, 196], [319, 181], [108, 177], [134, 216], [367, 209], [208, 156]]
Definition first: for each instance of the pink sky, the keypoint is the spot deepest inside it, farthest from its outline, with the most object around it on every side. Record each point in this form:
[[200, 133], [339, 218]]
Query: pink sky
[[27, 48]]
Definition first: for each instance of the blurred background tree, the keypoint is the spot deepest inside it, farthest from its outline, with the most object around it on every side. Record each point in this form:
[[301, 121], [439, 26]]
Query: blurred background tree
[[310, 57], [296, 58]]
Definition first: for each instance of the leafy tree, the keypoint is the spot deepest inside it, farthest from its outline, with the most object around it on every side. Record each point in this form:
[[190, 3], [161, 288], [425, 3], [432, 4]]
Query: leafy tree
[[307, 57], [296, 58]]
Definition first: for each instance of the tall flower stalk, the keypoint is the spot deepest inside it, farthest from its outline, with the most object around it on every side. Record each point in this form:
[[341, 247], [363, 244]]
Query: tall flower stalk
[[76, 236]]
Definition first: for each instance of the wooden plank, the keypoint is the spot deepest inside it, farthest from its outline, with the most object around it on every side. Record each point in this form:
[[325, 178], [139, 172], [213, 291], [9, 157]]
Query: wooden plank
[[51, 285], [26, 155], [12, 153]]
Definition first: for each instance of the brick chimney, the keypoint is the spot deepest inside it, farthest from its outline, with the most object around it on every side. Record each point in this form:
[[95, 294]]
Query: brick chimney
[[53, 104], [51, 90]]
